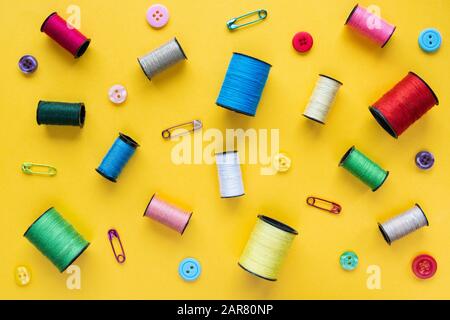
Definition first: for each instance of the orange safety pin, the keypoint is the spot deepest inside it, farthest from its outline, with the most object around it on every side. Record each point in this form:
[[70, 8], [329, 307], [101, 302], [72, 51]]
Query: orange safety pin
[[324, 205], [113, 234]]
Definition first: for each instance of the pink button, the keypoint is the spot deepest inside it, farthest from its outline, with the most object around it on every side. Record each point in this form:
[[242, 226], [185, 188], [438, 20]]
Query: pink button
[[157, 16], [118, 94], [302, 42], [424, 266]]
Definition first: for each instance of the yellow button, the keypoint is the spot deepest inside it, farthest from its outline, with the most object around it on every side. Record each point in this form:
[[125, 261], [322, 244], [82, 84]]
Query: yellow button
[[22, 276], [281, 162]]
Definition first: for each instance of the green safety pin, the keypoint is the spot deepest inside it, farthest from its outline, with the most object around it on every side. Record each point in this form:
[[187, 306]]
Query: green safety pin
[[27, 167], [231, 24]]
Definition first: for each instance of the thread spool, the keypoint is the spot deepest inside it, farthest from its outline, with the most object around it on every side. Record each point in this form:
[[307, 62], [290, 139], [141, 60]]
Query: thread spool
[[403, 105], [364, 169], [370, 25], [61, 113], [162, 58], [244, 83], [167, 214], [322, 98], [267, 248], [56, 239], [65, 35], [117, 157], [230, 176], [403, 224]]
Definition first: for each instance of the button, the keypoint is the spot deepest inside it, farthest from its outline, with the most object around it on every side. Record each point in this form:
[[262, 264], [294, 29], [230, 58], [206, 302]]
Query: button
[[430, 40], [281, 162], [189, 269], [424, 160], [22, 276], [117, 94], [28, 64], [349, 260], [157, 16], [302, 42], [424, 266]]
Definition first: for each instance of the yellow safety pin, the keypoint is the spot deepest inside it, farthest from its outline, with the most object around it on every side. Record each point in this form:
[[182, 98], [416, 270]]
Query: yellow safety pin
[[27, 168], [190, 126]]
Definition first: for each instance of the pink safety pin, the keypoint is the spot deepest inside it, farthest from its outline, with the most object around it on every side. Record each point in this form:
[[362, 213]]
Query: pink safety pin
[[113, 234]]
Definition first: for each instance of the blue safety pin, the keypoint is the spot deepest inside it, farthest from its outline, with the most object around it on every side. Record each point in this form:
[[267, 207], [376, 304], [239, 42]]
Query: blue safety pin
[[231, 24]]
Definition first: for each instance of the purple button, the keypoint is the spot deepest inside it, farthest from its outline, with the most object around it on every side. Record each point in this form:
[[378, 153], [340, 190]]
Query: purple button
[[28, 64], [157, 16], [424, 160]]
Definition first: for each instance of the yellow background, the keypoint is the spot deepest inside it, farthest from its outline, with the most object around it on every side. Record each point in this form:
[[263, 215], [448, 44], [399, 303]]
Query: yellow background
[[220, 228]]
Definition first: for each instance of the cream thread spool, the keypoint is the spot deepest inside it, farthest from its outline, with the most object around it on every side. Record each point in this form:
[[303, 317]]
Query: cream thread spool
[[230, 176], [267, 248], [322, 98], [403, 224], [162, 58]]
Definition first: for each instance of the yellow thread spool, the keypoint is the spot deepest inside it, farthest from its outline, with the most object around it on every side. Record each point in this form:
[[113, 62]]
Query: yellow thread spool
[[267, 247]]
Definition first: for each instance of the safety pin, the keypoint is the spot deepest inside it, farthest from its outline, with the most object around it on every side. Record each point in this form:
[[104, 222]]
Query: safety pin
[[231, 24], [192, 125], [27, 168], [113, 234], [325, 205]]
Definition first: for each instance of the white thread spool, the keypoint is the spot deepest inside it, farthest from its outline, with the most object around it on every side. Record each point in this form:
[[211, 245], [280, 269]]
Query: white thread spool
[[322, 98], [230, 176], [161, 58], [403, 224]]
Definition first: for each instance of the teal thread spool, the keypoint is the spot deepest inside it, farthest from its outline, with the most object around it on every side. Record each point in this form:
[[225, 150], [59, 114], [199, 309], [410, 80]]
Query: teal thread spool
[[364, 169], [61, 113], [55, 238]]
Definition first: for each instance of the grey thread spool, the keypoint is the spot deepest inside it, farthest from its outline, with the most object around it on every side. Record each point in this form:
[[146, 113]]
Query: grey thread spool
[[403, 224], [161, 58]]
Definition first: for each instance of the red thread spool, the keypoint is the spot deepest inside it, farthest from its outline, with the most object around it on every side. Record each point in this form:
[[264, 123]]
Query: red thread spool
[[406, 103], [67, 36]]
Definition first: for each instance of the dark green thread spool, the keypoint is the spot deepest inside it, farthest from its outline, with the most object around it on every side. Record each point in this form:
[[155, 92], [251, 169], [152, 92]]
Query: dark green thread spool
[[61, 113], [364, 169], [57, 239]]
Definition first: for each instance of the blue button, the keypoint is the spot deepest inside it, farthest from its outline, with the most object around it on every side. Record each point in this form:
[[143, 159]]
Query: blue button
[[430, 40], [349, 260], [189, 269]]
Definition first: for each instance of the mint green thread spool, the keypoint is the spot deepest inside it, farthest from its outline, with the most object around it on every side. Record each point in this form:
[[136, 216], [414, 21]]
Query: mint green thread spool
[[364, 169], [57, 239]]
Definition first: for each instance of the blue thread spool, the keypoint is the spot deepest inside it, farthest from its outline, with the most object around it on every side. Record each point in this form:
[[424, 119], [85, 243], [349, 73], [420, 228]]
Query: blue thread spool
[[243, 85], [117, 157]]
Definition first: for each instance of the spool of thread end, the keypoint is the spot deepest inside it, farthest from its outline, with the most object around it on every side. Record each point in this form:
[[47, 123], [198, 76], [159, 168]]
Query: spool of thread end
[[167, 214], [267, 248], [56, 238]]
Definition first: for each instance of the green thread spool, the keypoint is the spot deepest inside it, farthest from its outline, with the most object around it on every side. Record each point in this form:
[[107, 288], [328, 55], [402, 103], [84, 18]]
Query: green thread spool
[[61, 113], [55, 238], [364, 169]]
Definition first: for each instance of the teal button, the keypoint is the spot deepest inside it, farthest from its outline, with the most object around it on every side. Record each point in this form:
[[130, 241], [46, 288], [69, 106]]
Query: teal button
[[349, 260], [430, 40]]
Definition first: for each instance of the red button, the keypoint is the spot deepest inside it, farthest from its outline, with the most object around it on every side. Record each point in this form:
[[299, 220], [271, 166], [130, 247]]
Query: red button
[[424, 266], [302, 42]]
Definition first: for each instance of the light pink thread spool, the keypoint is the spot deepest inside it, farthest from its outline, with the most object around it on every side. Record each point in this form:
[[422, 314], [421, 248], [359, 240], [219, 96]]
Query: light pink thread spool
[[167, 214], [360, 19]]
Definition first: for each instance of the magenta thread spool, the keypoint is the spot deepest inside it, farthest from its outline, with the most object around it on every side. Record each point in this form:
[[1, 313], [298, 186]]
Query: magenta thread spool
[[370, 25], [65, 35], [167, 214]]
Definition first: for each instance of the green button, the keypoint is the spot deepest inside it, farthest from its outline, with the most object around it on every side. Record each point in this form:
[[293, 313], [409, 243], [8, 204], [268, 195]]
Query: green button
[[349, 260]]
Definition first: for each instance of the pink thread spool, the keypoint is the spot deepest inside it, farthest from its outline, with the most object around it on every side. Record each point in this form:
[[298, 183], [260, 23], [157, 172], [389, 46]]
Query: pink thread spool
[[370, 25], [167, 214], [67, 36]]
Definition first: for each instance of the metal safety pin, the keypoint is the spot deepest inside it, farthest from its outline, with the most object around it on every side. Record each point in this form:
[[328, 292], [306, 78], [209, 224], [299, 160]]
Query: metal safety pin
[[192, 125], [231, 24], [27, 167], [325, 205], [113, 234]]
